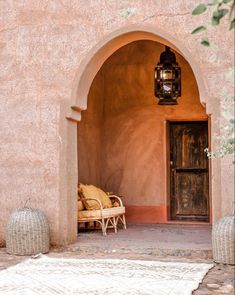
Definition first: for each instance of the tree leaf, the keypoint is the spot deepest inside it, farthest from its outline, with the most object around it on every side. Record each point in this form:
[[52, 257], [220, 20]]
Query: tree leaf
[[199, 9], [223, 12], [215, 21], [232, 25], [213, 3], [227, 1], [217, 15], [232, 121], [205, 41], [231, 140], [198, 30]]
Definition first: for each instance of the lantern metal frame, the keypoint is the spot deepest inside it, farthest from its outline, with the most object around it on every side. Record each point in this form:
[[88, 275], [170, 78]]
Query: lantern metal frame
[[167, 79]]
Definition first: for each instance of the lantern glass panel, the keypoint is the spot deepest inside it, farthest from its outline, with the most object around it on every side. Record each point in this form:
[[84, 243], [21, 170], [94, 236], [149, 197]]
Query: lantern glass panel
[[167, 87], [167, 74]]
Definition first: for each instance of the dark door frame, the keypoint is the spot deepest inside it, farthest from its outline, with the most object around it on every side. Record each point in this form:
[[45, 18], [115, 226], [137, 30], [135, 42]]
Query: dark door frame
[[168, 122]]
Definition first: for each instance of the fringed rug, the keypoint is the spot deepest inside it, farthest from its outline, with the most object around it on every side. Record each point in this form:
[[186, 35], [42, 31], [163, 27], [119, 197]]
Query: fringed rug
[[46, 276]]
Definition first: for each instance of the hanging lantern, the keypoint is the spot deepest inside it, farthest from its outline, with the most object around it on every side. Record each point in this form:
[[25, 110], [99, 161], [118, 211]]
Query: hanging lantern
[[167, 78]]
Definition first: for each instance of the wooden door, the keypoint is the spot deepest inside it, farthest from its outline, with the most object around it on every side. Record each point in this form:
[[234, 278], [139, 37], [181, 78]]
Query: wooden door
[[189, 188]]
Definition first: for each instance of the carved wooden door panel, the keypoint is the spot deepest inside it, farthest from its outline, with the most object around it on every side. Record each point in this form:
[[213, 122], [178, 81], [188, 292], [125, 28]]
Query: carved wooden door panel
[[189, 171]]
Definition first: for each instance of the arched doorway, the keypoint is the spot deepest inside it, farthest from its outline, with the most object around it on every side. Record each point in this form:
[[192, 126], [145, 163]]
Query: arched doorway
[[124, 142], [88, 69]]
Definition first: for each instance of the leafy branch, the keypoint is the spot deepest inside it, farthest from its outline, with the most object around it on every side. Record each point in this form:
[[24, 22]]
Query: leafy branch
[[225, 141], [220, 9]]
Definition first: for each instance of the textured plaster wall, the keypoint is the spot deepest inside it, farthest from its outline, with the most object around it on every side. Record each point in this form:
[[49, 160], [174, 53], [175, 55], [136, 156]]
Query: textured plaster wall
[[133, 133], [135, 125], [44, 49], [90, 135]]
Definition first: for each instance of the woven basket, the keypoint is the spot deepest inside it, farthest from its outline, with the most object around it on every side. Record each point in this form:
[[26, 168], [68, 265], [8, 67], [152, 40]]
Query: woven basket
[[223, 243], [27, 232]]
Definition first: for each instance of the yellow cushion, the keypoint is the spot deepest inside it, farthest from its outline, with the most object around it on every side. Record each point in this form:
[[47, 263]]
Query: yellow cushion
[[106, 202], [90, 191]]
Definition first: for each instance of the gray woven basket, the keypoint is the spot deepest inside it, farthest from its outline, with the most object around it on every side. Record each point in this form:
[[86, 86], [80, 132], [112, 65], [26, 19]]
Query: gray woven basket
[[27, 232], [223, 240]]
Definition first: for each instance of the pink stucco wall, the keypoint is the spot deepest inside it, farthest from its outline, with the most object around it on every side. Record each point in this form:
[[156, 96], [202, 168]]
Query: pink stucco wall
[[50, 53]]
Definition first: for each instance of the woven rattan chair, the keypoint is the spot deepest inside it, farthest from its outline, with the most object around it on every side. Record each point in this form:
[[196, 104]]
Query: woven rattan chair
[[106, 217]]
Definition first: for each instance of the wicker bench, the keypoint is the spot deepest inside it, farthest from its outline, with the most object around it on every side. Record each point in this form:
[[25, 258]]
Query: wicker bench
[[106, 217]]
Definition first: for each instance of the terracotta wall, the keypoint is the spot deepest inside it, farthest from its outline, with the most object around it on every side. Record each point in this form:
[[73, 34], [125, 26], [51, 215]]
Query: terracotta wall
[[90, 133], [133, 133], [50, 51]]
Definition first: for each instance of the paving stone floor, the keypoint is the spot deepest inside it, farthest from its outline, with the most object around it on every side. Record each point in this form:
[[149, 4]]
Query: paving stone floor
[[191, 241], [148, 242]]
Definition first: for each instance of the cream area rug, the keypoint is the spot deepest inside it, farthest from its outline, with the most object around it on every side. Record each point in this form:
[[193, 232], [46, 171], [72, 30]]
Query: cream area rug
[[47, 276]]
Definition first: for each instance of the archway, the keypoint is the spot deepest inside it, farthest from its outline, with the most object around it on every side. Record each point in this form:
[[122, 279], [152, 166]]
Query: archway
[[82, 83], [123, 136]]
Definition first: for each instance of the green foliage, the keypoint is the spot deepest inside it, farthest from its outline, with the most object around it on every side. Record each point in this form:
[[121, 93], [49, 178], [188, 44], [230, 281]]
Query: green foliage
[[205, 41], [220, 9], [232, 25], [225, 141], [199, 9], [199, 30], [217, 15]]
